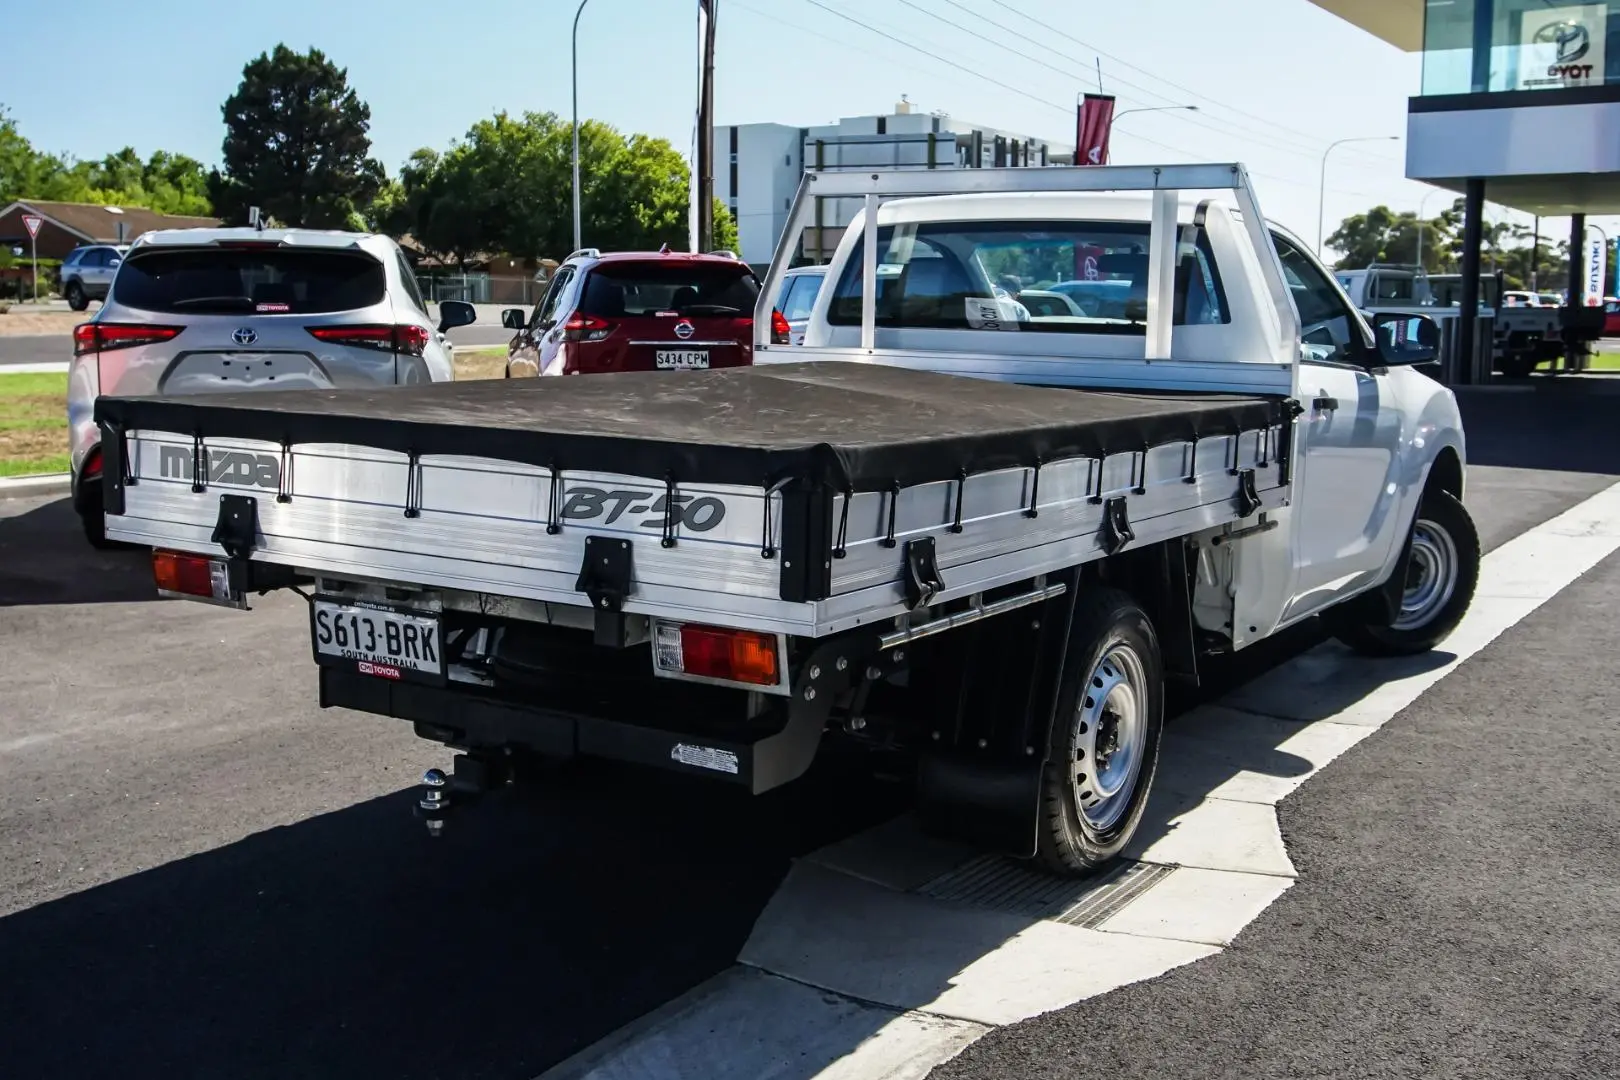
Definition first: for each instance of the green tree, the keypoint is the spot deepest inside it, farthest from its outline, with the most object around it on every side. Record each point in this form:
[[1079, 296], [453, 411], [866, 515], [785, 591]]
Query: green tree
[[1383, 236], [507, 188], [296, 144], [725, 228]]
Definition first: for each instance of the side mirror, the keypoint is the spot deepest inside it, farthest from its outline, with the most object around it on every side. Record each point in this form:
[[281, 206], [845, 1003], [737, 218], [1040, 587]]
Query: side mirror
[[1405, 339], [454, 313], [514, 318]]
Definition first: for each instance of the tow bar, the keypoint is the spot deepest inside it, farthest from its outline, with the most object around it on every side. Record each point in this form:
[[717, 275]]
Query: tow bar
[[470, 777]]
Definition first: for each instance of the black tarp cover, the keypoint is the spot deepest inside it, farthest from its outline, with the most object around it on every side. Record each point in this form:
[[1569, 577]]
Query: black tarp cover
[[841, 424]]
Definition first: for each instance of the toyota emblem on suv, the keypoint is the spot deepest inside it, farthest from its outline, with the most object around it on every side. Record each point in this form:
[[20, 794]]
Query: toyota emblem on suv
[[245, 335], [683, 329]]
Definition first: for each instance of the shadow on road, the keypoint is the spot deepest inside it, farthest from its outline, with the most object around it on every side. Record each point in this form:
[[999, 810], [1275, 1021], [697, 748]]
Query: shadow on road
[[45, 559], [1566, 424], [351, 944]]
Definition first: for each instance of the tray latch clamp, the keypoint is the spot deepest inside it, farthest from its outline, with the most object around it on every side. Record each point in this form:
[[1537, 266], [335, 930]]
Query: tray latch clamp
[[1116, 526], [922, 580], [237, 527], [606, 572], [1248, 498]]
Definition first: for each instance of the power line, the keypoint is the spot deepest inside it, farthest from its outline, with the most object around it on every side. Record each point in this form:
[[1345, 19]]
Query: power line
[[1152, 75]]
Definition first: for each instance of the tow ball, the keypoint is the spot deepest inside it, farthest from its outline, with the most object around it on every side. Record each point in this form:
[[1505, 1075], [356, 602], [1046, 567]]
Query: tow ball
[[469, 778]]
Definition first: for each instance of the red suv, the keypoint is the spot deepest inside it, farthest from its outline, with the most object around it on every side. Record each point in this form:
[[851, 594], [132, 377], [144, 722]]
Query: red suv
[[639, 311]]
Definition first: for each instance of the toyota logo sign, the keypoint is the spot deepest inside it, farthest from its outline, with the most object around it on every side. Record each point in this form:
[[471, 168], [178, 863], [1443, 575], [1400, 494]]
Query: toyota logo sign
[[245, 335], [684, 329]]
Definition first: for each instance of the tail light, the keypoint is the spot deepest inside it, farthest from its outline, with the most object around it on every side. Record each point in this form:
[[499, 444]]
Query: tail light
[[745, 657], [586, 328], [194, 577], [780, 331], [104, 337], [92, 465], [405, 338]]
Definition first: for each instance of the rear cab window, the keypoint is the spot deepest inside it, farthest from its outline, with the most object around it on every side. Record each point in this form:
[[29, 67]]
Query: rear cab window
[[969, 275], [684, 287], [220, 280]]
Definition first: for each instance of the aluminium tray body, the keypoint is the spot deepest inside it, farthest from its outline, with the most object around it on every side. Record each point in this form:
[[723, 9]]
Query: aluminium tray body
[[784, 498]]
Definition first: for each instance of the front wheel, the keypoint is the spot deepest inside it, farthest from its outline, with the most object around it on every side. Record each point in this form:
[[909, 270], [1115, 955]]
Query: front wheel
[[76, 298], [1105, 742], [1441, 576]]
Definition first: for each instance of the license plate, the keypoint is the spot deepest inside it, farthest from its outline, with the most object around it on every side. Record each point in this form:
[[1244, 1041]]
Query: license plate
[[668, 359], [383, 642]]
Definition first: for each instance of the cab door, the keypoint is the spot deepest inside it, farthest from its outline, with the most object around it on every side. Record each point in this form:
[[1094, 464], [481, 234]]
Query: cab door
[[1345, 497]]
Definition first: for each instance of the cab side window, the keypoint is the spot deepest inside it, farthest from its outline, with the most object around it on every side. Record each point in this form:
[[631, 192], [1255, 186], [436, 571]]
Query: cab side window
[[1326, 329]]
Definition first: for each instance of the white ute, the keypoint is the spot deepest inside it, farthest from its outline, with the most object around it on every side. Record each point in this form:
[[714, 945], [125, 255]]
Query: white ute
[[983, 541]]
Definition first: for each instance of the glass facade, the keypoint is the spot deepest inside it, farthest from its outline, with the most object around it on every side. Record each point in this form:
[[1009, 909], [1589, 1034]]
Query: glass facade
[[1498, 46]]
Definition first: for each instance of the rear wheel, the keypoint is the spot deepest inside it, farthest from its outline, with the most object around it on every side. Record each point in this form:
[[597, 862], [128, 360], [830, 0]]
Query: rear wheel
[[1105, 743], [76, 298], [1441, 575]]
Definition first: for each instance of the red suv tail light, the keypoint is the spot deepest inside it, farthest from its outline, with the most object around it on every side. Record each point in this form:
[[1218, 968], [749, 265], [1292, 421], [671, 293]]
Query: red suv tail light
[[405, 338], [586, 328], [104, 337], [780, 331]]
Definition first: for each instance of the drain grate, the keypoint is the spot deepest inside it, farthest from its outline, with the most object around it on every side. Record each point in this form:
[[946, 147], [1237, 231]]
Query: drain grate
[[1000, 884]]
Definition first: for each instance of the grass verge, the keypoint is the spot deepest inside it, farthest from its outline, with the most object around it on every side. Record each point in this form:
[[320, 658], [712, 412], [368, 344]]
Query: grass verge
[[33, 424]]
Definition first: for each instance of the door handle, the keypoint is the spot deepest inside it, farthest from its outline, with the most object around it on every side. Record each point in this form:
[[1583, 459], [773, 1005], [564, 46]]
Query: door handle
[[1325, 404]]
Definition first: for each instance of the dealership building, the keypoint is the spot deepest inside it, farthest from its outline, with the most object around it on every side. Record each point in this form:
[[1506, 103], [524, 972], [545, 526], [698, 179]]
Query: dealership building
[[1519, 103]]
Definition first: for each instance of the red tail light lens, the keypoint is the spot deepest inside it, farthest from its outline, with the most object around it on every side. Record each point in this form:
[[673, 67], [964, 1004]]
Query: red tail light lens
[[92, 465], [405, 338], [104, 337], [191, 575], [780, 331], [710, 652], [586, 328]]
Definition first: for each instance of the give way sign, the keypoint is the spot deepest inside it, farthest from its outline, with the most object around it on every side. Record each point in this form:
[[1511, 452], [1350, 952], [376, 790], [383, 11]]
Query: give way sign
[[32, 224]]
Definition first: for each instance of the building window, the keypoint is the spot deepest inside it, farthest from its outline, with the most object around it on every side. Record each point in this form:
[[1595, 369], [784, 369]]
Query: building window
[[1495, 46]]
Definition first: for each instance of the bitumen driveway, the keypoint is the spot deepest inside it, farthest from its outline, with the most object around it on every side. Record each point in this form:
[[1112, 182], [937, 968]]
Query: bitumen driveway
[[35, 349], [204, 874]]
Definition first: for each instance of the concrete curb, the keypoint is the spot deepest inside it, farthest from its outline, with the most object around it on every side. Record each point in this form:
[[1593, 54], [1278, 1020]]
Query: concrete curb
[[36, 487]]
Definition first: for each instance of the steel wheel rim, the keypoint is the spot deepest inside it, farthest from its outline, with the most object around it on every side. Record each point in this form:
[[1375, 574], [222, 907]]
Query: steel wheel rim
[[1431, 576], [1110, 729]]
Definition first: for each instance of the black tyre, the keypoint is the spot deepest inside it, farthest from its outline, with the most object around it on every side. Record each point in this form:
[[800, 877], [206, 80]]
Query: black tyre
[[1105, 741], [76, 298], [1441, 576], [95, 529]]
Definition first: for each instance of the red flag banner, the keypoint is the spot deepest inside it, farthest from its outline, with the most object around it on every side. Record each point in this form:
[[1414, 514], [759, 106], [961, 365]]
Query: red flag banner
[[1096, 117]]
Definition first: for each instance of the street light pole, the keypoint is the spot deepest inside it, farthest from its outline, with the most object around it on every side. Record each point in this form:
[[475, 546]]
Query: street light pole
[[1321, 199], [1152, 108], [574, 71]]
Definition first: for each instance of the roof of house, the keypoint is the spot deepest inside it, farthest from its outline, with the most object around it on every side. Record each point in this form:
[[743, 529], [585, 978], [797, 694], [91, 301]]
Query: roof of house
[[99, 224]]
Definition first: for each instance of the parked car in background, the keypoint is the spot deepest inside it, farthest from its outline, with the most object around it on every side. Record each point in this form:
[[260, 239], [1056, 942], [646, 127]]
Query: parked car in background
[[87, 273], [800, 287], [195, 311], [639, 311]]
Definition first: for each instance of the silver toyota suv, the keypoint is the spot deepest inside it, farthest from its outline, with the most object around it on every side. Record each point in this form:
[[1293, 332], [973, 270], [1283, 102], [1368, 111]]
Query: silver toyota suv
[[193, 311]]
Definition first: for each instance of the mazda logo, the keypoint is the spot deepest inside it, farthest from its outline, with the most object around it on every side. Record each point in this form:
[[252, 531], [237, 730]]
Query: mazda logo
[[684, 330], [1573, 40], [245, 335]]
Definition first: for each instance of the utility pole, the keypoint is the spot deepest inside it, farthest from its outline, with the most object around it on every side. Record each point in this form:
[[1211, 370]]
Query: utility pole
[[705, 147]]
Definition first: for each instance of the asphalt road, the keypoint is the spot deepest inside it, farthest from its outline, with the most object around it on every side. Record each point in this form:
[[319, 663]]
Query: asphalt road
[[203, 874]]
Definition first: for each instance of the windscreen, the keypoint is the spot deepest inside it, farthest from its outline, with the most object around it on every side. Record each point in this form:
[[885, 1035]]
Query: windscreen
[[269, 281], [1082, 276], [687, 288]]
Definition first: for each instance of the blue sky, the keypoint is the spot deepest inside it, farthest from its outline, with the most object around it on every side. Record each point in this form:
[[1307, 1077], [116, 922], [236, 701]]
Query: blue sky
[[1275, 80]]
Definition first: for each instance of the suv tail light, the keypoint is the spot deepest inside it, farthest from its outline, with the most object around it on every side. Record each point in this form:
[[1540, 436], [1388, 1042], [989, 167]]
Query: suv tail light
[[746, 657], [94, 337], [586, 328], [780, 331], [404, 338]]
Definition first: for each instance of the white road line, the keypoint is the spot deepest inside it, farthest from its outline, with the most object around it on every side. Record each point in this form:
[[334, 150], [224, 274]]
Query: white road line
[[49, 368], [851, 975]]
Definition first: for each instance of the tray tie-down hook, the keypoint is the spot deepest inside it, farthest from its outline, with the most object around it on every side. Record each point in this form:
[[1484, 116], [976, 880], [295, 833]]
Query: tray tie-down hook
[[1116, 526], [237, 527], [1247, 497], [606, 572]]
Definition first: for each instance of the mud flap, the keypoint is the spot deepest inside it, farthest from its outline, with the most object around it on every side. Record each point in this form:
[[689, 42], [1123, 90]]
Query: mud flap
[[989, 804]]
